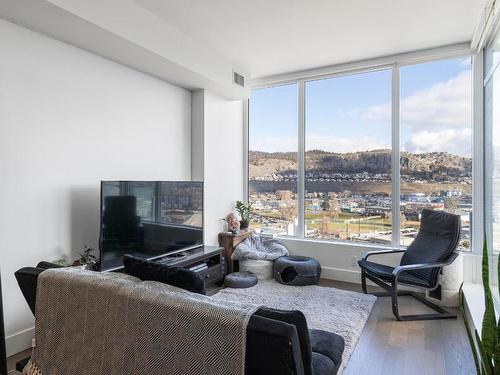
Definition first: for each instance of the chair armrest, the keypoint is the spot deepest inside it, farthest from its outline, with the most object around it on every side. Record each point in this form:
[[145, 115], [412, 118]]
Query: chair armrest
[[378, 252], [409, 267]]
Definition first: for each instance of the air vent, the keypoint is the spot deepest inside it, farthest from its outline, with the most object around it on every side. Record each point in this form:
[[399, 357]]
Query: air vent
[[238, 79]]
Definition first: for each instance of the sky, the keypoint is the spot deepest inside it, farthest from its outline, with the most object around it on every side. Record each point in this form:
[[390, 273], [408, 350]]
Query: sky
[[353, 113]]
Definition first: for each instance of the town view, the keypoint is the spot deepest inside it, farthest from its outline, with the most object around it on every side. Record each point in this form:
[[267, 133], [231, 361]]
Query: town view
[[348, 196], [348, 146]]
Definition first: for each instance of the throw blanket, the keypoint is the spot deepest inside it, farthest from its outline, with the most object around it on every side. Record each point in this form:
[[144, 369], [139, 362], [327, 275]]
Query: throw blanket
[[259, 248], [110, 323]]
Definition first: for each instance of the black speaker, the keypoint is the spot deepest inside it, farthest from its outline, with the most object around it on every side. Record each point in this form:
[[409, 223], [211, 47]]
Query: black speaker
[[3, 353]]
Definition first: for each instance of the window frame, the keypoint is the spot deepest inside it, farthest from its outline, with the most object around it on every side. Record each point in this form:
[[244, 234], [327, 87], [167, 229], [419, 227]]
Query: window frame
[[394, 63], [487, 77]]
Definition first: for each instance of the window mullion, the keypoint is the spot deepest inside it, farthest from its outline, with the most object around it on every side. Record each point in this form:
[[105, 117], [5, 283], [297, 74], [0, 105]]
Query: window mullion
[[395, 170], [477, 225], [301, 160]]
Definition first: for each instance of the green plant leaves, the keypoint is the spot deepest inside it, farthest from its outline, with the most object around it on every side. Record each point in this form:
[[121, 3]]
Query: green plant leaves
[[244, 210], [489, 343]]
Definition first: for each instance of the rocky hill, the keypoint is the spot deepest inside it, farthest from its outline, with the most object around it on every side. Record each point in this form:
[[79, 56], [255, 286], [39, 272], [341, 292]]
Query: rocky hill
[[434, 165]]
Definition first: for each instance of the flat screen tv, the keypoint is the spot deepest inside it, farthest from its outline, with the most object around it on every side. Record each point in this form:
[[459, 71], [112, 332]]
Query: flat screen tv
[[149, 219]]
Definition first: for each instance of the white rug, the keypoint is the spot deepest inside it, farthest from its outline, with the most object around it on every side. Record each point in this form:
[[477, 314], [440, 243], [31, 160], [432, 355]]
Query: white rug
[[334, 310]]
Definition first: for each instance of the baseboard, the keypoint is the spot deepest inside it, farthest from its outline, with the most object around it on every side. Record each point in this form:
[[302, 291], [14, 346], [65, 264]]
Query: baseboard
[[19, 341], [340, 274]]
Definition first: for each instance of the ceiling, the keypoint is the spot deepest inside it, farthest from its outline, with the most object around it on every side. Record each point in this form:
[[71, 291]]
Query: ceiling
[[268, 37]]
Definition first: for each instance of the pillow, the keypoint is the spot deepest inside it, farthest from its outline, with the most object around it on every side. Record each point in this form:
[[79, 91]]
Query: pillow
[[148, 270], [298, 319]]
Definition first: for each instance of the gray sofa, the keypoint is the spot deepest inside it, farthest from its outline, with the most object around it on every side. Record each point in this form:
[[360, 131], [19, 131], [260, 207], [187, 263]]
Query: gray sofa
[[278, 342]]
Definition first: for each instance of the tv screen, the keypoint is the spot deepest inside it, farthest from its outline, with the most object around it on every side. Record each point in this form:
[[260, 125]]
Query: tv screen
[[149, 219]]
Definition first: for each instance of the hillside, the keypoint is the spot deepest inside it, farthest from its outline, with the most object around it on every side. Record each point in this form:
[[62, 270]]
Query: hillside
[[434, 165]]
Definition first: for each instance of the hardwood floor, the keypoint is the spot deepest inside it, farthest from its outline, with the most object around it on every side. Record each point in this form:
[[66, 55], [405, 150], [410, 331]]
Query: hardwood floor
[[386, 346], [11, 361]]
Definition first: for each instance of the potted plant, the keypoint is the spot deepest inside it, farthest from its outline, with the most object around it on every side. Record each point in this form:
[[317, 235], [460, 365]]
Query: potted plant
[[87, 260], [488, 358], [244, 210]]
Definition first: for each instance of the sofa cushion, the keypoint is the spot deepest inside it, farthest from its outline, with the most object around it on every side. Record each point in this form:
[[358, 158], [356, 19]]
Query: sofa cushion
[[322, 365], [272, 348], [297, 319], [327, 344], [154, 271]]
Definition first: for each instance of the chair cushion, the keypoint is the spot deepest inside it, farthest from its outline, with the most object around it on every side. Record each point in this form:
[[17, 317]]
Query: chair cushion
[[326, 344], [437, 238], [322, 365], [385, 273], [297, 319], [272, 348], [240, 280], [154, 271]]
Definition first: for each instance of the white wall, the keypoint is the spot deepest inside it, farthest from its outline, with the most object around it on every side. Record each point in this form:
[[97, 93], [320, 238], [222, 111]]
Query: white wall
[[217, 156], [223, 161], [338, 260], [68, 119], [197, 134]]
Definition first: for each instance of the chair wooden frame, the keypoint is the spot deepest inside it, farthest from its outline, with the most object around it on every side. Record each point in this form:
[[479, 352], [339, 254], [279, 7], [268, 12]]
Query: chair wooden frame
[[392, 291]]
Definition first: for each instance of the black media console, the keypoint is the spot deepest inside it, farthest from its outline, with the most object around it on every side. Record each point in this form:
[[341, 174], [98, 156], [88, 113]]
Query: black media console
[[207, 261]]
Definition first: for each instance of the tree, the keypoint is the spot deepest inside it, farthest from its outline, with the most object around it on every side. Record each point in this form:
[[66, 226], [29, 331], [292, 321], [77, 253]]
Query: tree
[[324, 227], [451, 204], [325, 205]]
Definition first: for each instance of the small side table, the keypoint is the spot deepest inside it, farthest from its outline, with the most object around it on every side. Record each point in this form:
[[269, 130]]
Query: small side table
[[229, 241]]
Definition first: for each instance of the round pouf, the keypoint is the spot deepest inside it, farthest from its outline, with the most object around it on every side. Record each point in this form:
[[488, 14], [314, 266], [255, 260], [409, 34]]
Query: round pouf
[[240, 280], [296, 270]]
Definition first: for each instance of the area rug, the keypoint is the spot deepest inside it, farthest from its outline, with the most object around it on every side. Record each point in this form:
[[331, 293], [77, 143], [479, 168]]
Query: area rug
[[334, 310]]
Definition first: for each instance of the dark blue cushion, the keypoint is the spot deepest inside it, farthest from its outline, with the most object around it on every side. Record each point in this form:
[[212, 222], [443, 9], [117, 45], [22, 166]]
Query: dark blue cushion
[[322, 365], [297, 319], [240, 280], [385, 273], [329, 345], [437, 238]]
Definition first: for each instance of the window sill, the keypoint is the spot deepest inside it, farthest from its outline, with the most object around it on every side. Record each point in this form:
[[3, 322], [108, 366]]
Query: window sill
[[368, 246], [474, 298]]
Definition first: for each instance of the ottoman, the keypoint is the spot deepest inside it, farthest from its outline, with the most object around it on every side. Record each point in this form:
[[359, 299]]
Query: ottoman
[[240, 280], [296, 270]]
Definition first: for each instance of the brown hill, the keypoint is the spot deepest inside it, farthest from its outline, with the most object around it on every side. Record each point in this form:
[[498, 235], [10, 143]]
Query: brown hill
[[433, 165]]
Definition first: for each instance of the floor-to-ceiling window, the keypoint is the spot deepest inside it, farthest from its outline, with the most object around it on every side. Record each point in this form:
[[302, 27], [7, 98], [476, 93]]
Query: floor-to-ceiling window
[[348, 158], [272, 159], [352, 128], [436, 143]]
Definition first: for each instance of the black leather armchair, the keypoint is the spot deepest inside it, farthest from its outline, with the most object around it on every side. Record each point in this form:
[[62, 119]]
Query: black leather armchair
[[433, 248]]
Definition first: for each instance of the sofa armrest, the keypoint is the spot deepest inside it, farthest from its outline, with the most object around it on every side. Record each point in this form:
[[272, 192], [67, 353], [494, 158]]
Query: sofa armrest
[[27, 278], [272, 348], [46, 265]]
